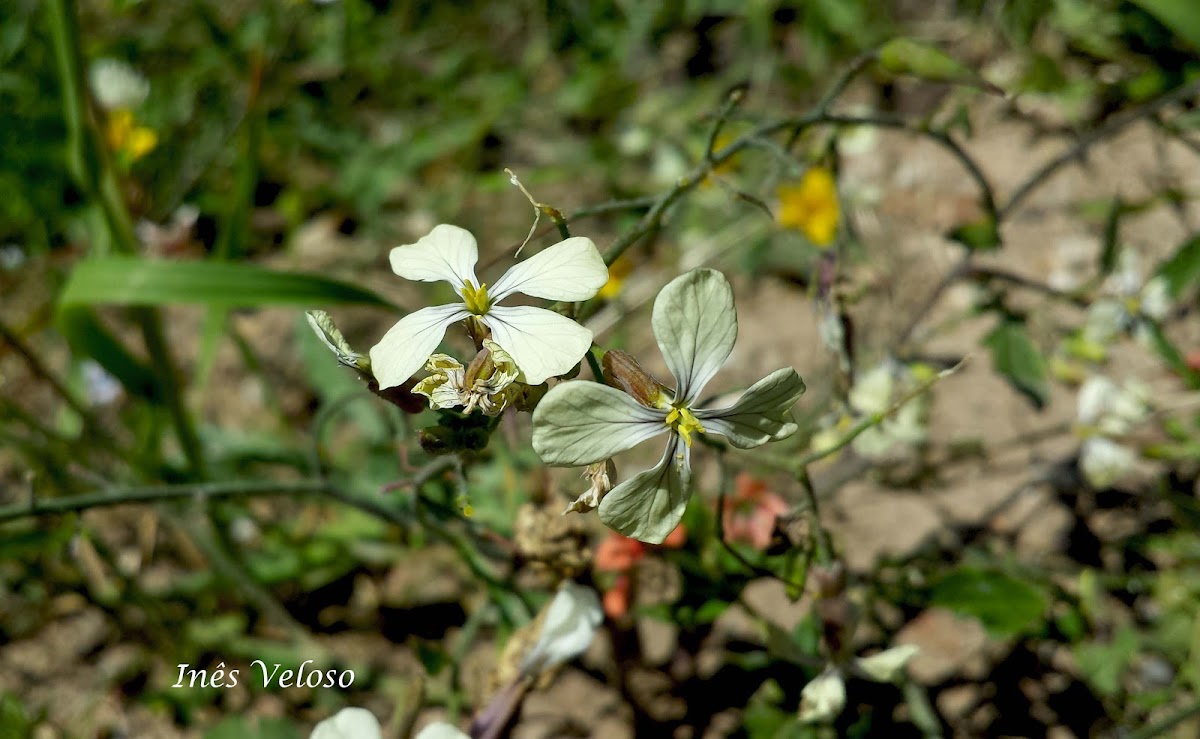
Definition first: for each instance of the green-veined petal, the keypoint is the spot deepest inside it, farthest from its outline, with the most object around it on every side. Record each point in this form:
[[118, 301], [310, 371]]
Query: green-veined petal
[[762, 414], [695, 325], [569, 270], [447, 253], [580, 423], [543, 343], [649, 505], [405, 347]]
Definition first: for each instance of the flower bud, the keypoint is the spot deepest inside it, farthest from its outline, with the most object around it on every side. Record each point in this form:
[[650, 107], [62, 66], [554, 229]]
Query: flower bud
[[622, 371]]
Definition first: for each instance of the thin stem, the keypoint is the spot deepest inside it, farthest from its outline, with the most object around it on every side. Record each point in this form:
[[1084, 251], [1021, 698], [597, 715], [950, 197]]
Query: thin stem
[[166, 494], [823, 549], [1117, 124]]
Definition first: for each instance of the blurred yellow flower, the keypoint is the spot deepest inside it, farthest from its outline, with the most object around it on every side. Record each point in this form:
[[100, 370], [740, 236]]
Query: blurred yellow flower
[[617, 273], [129, 141], [726, 167], [811, 206]]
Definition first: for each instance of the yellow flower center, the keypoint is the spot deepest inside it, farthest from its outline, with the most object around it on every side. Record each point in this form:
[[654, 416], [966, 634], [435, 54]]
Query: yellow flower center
[[684, 423], [476, 298]]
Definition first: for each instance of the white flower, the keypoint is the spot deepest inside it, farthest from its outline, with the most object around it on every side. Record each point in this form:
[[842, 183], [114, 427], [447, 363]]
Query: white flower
[[1104, 461], [441, 730], [888, 665], [1109, 408], [823, 698], [1129, 305], [116, 85], [348, 723], [568, 627], [541, 342], [580, 423]]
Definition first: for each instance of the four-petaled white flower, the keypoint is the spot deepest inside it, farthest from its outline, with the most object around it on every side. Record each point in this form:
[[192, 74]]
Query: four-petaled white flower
[[580, 423], [541, 342], [1129, 304]]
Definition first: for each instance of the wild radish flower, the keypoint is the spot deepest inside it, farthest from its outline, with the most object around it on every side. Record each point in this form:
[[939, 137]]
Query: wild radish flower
[[580, 423], [487, 384], [568, 626], [873, 393], [1130, 304], [1106, 410], [117, 86], [824, 698], [811, 206], [541, 343], [348, 723]]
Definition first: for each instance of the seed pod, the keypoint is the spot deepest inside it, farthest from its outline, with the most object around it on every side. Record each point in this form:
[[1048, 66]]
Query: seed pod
[[624, 373]]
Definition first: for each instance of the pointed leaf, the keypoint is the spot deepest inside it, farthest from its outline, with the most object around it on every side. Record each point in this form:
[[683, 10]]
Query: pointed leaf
[[1004, 605], [1183, 268], [1018, 360]]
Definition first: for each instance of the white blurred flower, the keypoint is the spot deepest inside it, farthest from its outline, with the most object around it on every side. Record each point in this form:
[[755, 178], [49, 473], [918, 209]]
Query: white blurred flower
[[1104, 410], [1104, 461], [349, 723], [100, 387], [568, 628], [116, 85], [1130, 303], [441, 730], [824, 698], [542, 343]]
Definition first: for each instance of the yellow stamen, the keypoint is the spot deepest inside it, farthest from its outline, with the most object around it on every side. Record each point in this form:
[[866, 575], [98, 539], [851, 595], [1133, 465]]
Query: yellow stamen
[[684, 423], [476, 298]]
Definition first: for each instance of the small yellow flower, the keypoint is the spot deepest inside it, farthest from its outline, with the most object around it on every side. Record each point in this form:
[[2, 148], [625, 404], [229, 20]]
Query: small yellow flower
[[811, 206], [617, 273], [129, 141]]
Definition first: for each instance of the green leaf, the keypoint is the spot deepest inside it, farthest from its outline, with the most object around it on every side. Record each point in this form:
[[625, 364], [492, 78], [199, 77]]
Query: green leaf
[[1003, 604], [1183, 268], [1181, 16], [1109, 249], [981, 235], [1104, 664], [132, 281], [89, 338], [1171, 355], [1016, 358]]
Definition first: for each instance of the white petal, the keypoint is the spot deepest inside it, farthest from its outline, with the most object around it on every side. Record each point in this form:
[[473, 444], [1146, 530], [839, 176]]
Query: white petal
[[823, 698], [584, 422], [762, 414], [649, 505], [568, 628], [447, 253], [888, 665], [695, 325], [569, 270], [405, 347], [1156, 299], [542, 343], [348, 723], [1094, 399], [1104, 461], [872, 391], [441, 730]]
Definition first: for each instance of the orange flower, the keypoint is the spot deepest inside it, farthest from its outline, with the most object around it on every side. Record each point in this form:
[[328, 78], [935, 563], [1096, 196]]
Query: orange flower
[[811, 206], [621, 554], [750, 517]]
